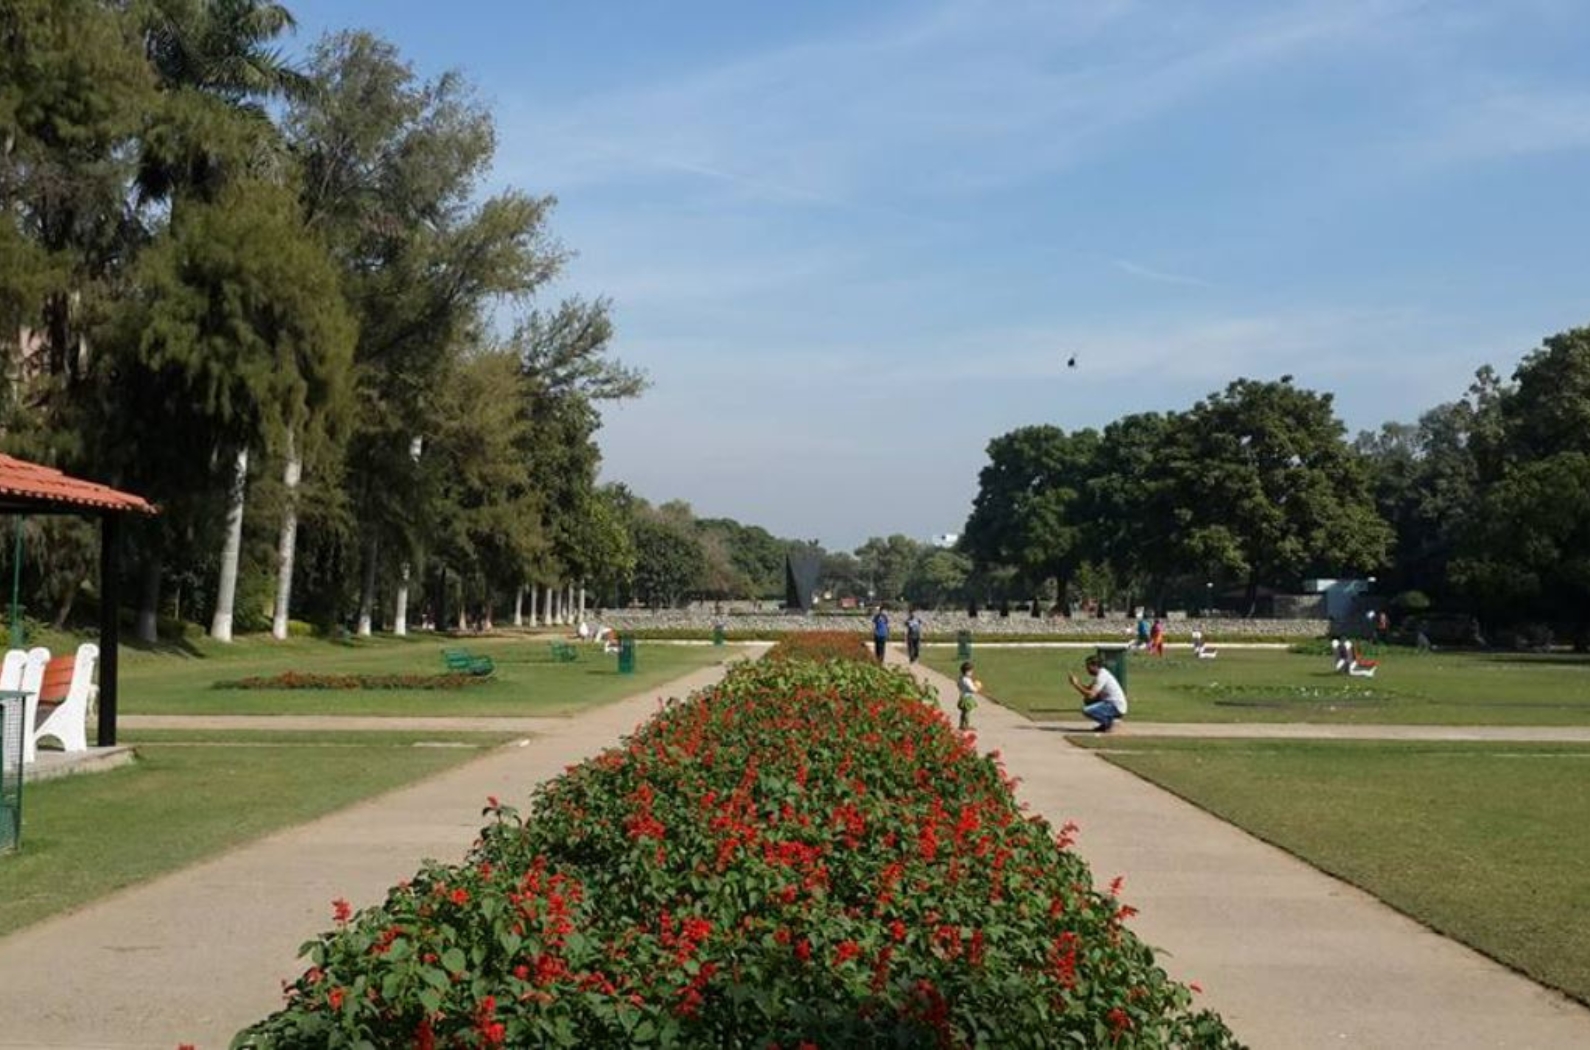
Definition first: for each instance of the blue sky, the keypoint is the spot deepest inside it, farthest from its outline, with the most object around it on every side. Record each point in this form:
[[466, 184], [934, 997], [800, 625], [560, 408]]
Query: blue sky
[[853, 242]]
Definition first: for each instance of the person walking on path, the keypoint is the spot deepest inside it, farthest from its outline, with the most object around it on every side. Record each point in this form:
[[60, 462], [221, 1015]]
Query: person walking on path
[[969, 687], [1156, 637], [880, 632], [1104, 700], [913, 637]]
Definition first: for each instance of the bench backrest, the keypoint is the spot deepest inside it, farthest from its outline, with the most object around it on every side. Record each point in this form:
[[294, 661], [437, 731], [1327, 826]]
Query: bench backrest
[[57, 680]]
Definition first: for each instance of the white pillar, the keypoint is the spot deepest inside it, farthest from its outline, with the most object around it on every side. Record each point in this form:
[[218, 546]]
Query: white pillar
[[367, 590], [518, 606], [232, 546], [400, 612], [568, 603], [535, 610], [546, 607], [287, 545], [582, 603]]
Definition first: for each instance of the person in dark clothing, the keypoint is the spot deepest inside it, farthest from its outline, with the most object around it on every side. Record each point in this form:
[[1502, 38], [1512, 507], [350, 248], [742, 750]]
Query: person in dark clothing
[[880, 632], [913, 637]]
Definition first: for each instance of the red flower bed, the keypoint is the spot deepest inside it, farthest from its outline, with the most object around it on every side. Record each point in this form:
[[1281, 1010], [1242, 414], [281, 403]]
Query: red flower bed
[[807, 855], [820, 646], [301, 680]]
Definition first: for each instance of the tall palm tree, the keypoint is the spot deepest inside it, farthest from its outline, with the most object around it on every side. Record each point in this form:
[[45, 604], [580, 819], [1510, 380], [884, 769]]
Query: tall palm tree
[[224, 48], [217, 64]]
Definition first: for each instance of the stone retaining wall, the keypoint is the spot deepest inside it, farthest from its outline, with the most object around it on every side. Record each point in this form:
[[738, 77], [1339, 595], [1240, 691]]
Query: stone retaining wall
[[1214, 628]]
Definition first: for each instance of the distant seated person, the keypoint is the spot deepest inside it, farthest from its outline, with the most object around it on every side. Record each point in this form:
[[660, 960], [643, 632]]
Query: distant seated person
[[1422, 642], [584, 631], [1201, 649], [1349, 662], [606, 637]]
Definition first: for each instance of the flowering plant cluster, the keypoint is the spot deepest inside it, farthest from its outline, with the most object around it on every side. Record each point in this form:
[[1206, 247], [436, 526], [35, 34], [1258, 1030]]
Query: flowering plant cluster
[[820, 646], [806, 855], [301, 680]]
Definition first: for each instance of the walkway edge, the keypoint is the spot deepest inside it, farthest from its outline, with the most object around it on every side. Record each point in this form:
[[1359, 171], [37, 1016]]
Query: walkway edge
[[1290, 956], [193, 956]]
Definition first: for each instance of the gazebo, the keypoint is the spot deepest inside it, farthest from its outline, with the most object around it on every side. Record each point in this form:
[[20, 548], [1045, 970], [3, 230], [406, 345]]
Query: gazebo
[[30, 488]]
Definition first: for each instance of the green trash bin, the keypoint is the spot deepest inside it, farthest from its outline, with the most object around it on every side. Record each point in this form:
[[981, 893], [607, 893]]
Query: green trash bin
[[11, 713], [963, 645], [717, 634], [626, 654], [1113, 657]]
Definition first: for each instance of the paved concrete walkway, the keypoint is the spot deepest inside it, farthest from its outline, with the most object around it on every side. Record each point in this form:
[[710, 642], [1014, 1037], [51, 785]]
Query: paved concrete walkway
[[196, 955], [1320, 731], [1290, 956]]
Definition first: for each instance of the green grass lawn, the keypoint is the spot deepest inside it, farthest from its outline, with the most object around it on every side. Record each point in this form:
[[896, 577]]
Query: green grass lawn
[[193, 795], [171, 681], [1483, 842], [1249, 685]]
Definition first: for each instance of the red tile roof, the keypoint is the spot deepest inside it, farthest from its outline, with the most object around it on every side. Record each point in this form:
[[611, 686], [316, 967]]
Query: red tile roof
[[21, 480]]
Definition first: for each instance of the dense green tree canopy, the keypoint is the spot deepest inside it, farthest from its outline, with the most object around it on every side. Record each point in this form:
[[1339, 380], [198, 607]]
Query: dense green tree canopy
[[1267, 489], [1032, 512]]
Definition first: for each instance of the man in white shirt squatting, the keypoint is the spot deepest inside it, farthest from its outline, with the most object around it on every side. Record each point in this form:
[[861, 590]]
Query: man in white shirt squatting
[[1104, 699]]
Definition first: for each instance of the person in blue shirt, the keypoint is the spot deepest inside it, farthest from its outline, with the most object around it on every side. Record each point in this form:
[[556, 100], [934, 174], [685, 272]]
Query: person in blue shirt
[[880, 632]]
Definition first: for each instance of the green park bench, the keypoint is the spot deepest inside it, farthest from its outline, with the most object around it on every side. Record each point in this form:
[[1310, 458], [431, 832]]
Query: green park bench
[[459, 661], [564, 653]]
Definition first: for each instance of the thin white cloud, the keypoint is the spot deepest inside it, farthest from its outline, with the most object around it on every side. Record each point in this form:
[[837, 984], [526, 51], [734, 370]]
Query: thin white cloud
[[1162, 276], [1508, 124], [968, 95]]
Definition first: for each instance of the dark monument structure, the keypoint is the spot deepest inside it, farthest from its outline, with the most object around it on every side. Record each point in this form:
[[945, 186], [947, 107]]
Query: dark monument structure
[[803, 571]]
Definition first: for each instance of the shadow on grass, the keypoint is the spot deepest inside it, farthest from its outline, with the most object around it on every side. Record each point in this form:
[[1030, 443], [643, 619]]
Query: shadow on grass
[[182, 647], [1546, 659]]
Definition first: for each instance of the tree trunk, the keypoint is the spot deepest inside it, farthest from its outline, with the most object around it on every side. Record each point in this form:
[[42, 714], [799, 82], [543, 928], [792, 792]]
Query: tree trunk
[[568, 603], [1253, 596], [67, 601], [226, 590], [546, 604], [535, 617], [400, 609], [287, 546], [581, 614], [147, 626], [518, 606], [367, 589]]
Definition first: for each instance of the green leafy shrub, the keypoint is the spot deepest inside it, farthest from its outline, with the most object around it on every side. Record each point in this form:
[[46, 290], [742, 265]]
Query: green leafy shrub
[[806, 854], [300, 629], [1412, 602]]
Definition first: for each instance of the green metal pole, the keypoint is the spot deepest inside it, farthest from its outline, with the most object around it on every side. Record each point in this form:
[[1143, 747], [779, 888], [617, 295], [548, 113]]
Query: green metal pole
[[16, 587]]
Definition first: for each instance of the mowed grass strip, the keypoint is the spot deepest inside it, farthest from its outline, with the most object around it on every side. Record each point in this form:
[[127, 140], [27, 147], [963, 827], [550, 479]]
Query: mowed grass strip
[[1247, 685], [1482, 842], [86, 836], [527, 680]]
